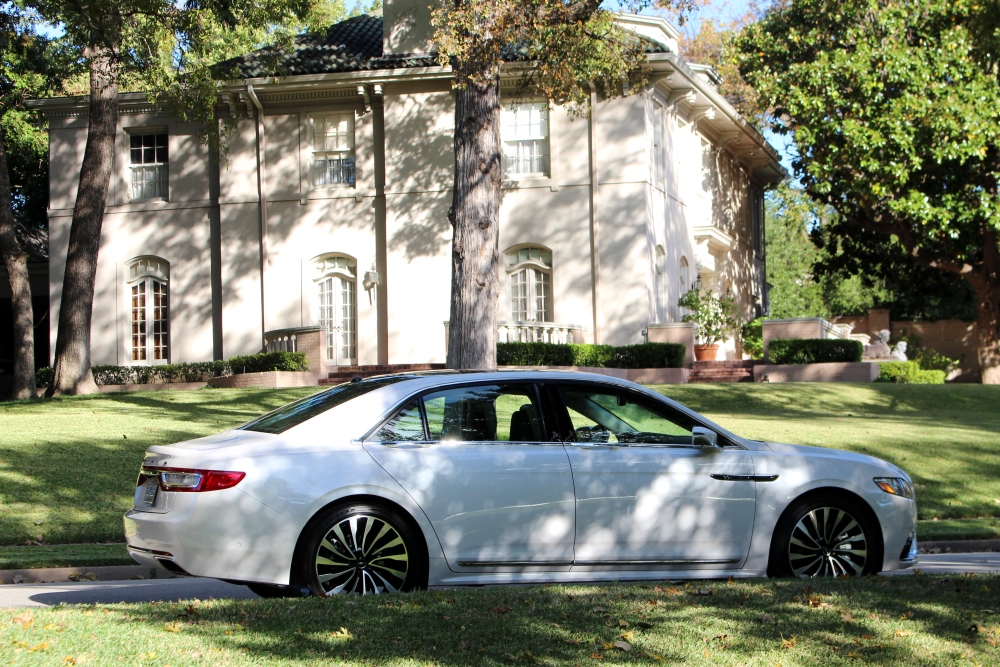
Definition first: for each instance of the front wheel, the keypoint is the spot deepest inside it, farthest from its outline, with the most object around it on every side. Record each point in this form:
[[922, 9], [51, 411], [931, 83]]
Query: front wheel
[[362, 549], [825, 536]]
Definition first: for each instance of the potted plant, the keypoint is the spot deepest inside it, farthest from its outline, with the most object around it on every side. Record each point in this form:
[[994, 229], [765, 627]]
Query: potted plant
[[714, 318]]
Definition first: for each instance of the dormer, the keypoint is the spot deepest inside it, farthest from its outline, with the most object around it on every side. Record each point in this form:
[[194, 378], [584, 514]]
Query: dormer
[[651, 27]]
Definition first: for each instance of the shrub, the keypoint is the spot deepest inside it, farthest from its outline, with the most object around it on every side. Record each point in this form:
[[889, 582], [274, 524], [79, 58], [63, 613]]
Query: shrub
[[269, 361], [752, 335], [898, 371], [928, 358], [199, 371], [813, 350], [713, 316], [650, 355], [43, 376], [642, 355], [930, 377]]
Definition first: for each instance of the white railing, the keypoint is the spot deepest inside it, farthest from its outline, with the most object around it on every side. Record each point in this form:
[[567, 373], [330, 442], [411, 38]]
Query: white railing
[[280, 343], [539, 332]]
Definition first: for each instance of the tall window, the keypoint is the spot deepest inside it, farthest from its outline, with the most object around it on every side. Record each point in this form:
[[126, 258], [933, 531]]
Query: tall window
[[525, 134], [333, 149], [660, 282], [148, 284], [530, 272], [336, 282], [148, 164]]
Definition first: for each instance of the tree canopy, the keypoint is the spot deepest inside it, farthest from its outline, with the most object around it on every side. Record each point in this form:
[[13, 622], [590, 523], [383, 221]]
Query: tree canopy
[[895, 110]]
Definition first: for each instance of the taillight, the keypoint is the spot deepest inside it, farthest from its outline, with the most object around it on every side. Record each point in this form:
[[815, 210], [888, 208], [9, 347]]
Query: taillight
[[188, 480]]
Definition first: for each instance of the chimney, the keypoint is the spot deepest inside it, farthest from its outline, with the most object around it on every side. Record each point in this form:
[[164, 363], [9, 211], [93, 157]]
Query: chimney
[[406, 28]]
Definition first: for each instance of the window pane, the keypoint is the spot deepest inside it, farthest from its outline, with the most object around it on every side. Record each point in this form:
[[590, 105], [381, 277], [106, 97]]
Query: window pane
[[525, 132], [487, 413], [543, 296], [160, 321], [600, 415], [293, 414], [406, 426], [138, 316], [519, 296]]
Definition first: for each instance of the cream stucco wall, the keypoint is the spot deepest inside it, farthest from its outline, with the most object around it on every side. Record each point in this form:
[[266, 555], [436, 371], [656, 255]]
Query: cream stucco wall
[[211, 233]]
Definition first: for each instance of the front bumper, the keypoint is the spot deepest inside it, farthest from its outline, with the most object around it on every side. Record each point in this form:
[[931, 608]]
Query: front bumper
[[220, 534]]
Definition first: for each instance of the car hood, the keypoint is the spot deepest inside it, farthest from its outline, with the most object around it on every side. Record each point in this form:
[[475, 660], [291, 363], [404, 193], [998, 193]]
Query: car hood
[[807, 452]]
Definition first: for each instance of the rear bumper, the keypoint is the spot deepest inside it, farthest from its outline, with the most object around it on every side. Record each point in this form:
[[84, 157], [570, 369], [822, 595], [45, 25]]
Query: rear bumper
[[220, 534]]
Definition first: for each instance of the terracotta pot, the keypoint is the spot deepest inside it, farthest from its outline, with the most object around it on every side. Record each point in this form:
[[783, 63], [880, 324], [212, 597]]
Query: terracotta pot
[[706, 352]]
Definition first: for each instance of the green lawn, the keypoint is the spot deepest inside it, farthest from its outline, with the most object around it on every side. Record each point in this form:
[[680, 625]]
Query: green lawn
[[63, 555], [68, 466], [909, 620]]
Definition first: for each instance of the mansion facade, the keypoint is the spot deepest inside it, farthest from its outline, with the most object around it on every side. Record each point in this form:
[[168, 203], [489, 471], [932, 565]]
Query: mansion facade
[[328, 206]]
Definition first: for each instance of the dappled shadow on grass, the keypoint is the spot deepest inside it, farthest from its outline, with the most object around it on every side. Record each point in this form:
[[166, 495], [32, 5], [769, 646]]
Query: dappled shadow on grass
[[68, 466], [900, 621]]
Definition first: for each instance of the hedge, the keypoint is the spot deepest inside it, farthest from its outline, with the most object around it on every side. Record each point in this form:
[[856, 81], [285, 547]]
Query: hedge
[[189, 372], [908, 372], [813, 350], [642, 355]]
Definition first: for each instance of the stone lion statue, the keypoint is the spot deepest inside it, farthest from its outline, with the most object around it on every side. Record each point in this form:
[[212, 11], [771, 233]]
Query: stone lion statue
[[880, 348]]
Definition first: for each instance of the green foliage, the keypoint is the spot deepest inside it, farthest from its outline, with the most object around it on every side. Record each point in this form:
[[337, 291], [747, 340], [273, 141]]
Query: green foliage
[[908, 372], [791, 254], [752, 335], [641, 355], [898, 371], [813, 350], [567, 43], [927, 358], [269, 361], [713, 316], [199, 371], [893, 106]]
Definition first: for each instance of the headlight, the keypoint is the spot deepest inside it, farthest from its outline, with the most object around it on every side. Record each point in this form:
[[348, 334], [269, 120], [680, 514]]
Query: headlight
[[895, 486]]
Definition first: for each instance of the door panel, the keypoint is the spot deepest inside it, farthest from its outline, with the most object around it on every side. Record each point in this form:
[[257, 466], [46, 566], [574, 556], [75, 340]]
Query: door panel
[[495, 492], [644, 493]]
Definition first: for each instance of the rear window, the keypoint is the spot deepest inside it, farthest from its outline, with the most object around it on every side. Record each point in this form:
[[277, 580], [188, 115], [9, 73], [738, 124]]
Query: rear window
[[293, 414]]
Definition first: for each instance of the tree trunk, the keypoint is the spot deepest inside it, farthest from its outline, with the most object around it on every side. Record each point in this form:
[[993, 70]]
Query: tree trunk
[[988, 310], [16, 261], [475, 281], [72, 360]]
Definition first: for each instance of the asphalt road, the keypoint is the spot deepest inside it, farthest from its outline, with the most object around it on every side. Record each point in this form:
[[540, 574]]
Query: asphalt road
[[150, 590]]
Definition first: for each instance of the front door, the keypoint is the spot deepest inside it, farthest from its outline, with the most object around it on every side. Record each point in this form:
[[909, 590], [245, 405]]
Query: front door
[[338, 314], [645, 495], [476, 461]]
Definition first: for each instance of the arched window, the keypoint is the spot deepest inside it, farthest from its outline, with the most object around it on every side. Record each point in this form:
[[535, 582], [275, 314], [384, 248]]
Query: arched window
[[336, 280], [530, 272], [660, 282], [148, 282]]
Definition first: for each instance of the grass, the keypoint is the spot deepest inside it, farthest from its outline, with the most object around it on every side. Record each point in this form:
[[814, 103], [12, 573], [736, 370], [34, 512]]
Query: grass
[[68, 466], [959, 529], [910, 620], [63, 555]]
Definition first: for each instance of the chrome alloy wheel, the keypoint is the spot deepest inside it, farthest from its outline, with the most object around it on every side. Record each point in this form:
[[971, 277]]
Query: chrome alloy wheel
[[362, 554], [827, 542]]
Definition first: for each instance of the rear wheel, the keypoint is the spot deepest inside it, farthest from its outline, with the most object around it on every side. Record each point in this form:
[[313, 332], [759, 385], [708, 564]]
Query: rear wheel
[[825, 536], [364, 549]]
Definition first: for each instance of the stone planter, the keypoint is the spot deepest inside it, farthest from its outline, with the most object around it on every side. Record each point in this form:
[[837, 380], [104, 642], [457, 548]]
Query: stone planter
[[706, 352]]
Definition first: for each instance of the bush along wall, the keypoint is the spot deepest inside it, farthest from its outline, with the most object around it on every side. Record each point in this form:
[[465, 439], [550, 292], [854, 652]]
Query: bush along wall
[[642, 355], [813, 350], [190, 372], [908, 372]]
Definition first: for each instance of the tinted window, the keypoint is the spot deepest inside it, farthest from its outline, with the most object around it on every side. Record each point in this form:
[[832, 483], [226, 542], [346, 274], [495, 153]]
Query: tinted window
[[293, 414], [487, 413], [406, 426], [608, 415]]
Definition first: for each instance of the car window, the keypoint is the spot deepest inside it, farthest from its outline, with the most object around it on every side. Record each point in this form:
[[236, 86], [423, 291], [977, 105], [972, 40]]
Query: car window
[[484, 413], [405, 426], [293, 414], [612, 416]]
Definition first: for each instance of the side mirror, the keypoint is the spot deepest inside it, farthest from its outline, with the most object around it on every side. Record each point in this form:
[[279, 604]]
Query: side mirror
[[703, 437]]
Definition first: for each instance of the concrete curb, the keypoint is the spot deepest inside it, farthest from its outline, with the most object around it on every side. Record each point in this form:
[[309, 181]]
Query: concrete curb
[[958, 546], [47, 575]]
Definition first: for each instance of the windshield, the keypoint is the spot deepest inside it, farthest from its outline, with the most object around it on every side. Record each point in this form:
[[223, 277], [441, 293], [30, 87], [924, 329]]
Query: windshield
[[293, 414]]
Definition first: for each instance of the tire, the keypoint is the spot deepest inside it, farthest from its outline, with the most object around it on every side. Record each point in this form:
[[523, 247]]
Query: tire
[[363, 548], [277, 591], [825, 535]]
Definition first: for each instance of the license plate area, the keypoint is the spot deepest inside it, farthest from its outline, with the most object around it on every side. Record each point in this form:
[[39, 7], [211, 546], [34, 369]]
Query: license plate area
[[147, 493]]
